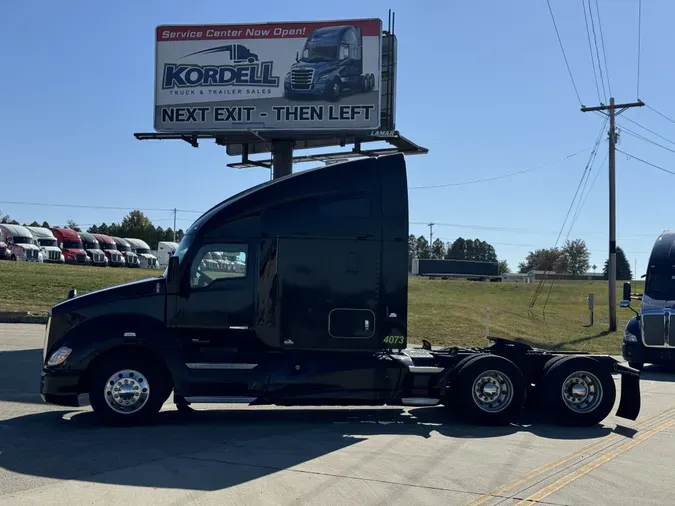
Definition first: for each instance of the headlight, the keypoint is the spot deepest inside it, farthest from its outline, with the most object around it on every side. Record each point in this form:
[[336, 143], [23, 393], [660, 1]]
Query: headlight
[[629, 337], [59, 356], [325, 78]]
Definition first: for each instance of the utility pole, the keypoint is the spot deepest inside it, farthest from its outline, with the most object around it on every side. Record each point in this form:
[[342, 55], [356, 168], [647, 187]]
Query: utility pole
[[174, 224], [611, 264], [431, 236]]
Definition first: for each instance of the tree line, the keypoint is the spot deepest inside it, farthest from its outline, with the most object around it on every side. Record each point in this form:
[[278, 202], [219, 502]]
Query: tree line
[[135, 224]]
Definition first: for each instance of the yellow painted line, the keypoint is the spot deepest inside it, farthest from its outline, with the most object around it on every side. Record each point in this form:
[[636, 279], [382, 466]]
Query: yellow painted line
[[562, 460], [565, 480]]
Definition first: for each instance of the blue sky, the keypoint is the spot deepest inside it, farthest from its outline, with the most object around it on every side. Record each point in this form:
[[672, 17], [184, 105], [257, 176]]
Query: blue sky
[[482, 84]]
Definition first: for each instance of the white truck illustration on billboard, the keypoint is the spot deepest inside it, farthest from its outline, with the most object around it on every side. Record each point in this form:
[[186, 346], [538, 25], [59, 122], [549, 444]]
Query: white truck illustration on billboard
[[330, 65]]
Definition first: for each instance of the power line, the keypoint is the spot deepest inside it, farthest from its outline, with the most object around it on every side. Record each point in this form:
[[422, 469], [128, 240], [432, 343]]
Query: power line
[[493, 178], [639, 51], [602, 42], [597, 173], [517, 230], [590, 50], [109, 208], [648, 130], [597, 51], [643, 138], [562, 48], [660, 114], [648, 163]]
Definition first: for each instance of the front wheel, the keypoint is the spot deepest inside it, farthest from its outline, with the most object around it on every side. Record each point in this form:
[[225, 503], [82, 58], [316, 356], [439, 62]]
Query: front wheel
[[489, 390], [578, 391], [128, 390]]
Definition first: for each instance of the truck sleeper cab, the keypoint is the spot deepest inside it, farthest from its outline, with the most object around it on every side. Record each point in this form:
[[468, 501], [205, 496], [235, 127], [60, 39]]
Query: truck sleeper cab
[[130, 258], [165, 250], [20, 244], [649, 337], [330, 65], [142, 250], [106, 243], [315, 315], [71, 246], [93, 249], [44, 238]]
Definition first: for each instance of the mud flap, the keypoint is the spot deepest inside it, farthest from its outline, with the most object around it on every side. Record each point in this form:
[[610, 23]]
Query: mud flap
[[630, 403]]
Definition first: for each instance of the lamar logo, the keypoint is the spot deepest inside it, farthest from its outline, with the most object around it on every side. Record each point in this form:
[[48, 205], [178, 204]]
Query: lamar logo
[[246, 69]]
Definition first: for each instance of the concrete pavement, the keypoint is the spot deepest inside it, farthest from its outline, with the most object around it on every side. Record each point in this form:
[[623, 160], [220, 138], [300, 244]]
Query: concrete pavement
[[267, 455]]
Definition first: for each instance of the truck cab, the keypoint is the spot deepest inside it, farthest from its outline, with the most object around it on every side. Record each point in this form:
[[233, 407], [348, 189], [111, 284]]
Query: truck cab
[[93, 249], [20, 244], [649, 337], [142, 250], [106, 243], [165, 250], [130, 257], [314, 313], [71, 246], [44, 238], [330, 65]]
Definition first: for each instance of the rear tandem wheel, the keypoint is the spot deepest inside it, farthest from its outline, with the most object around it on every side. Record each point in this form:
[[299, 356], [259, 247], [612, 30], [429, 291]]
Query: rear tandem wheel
[[487, 389], [577, 391]]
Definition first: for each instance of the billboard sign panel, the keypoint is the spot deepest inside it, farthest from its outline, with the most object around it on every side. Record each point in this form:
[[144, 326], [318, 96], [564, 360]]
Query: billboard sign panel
[[274, 76]]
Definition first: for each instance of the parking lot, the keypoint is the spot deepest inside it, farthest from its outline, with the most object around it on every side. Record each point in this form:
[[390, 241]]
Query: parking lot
[[224, 455]]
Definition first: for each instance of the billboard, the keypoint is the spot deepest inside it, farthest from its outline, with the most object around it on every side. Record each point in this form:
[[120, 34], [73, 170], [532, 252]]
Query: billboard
[[268, 77]]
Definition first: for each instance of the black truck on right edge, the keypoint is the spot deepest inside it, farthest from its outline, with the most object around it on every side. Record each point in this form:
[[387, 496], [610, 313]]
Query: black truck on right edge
[[317, 316]]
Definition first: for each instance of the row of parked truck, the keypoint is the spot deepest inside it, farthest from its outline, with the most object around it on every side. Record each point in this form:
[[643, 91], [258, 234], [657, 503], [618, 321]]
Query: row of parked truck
[[66, 246]]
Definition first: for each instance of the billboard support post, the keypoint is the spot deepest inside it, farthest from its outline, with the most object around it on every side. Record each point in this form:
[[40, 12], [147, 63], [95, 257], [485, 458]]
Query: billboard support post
[[282, 164]]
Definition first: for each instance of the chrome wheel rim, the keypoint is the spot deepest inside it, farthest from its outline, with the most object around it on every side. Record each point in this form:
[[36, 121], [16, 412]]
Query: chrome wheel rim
[[492, 391], [126, 391], [582, 392]]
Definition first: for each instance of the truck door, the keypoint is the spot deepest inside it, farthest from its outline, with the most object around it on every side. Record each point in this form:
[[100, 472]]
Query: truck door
[[213, 321]]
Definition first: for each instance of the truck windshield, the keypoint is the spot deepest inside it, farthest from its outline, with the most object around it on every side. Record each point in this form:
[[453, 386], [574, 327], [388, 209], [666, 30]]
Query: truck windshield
[[123, 248], [90, 245], [23, 240], [660, 284], [141, 251], [105, 245], [47, 242], [316, 53], [72, 245]]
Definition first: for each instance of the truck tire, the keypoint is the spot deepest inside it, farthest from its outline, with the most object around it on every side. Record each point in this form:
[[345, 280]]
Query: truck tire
[[488, 390], [577, 391], [128, 390]]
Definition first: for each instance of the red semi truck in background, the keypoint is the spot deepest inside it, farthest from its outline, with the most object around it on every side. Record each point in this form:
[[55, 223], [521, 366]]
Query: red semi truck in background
[[115, 257], [71, 246]]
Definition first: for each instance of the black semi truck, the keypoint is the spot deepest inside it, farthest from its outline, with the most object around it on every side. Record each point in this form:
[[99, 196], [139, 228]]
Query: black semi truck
[[649, 337], [458, 269], [318, 316]]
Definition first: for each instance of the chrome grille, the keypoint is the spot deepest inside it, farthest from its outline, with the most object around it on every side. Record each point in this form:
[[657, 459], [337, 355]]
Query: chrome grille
[[32, 254], [80, 258], [54, 255], [301, 79], [653, 329]]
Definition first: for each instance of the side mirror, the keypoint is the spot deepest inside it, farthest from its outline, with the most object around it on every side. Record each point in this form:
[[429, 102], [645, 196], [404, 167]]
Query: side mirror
[[626, 292], [172, 276], [72, 293], [624, 303]]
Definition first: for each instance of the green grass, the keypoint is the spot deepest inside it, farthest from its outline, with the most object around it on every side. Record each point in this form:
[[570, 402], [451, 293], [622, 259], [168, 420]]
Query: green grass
[[444, 312]]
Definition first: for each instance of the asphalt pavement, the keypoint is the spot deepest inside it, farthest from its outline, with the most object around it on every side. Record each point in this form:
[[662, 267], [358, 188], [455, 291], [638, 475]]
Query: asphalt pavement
[[268, 455]]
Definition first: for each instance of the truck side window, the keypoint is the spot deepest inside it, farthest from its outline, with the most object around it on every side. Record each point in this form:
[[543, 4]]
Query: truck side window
[[216, 262]]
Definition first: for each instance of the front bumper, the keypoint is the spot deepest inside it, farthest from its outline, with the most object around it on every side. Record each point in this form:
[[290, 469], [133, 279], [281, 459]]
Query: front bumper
[[639, 353], [315, 90], [60, 387]]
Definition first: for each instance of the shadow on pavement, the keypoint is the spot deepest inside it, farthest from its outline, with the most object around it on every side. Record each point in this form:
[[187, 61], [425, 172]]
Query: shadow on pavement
[[20, 376], [230, 446]]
